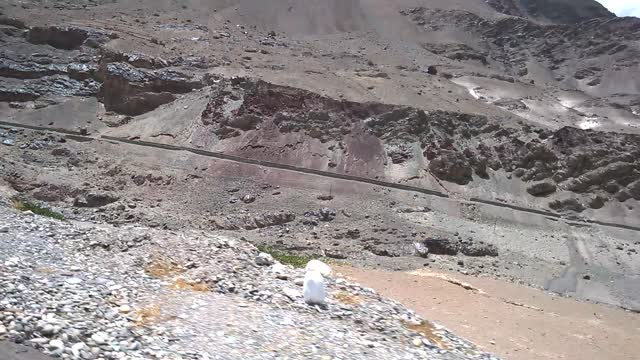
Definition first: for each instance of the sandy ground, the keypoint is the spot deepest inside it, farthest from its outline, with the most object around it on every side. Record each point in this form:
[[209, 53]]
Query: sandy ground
[[509, 320]]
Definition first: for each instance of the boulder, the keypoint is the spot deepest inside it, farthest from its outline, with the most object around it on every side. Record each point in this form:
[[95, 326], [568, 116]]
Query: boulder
[[264, 259], [421, 249], [451, 166], [479, 249], [94, 200], [248, 199], [327, 214], [634, 189], [542, 189], [567, 204], [442, 246]]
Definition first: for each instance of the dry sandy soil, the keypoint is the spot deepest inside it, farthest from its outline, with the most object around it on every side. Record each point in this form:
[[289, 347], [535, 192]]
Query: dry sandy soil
[[510, 320]]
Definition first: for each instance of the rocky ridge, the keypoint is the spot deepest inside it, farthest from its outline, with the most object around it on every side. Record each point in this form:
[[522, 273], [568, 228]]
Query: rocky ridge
[[453, 147], [69, 61], [568, 51]]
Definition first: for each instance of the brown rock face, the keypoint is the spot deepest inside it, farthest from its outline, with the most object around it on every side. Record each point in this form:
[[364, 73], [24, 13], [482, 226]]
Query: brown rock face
[[250, 222], [132, 91], [456, 147], [451, 166]]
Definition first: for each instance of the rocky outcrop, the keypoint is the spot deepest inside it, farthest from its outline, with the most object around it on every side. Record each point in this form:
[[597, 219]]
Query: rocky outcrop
[[451, 166], [251, 222], [132, 91], [456, 147], [567, 50], [93, 199], [459, 52], [567, 205], [445, 246], [68, 37], [542, 189]]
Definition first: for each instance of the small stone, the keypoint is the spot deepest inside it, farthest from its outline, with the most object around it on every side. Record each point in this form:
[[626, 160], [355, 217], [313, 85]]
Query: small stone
[[3, 330], [56, 344], [248, 199], [4, 229], [124, 309], [73, 281], [492, 342], [264, 259], [417, 342], [135, 346], [8, 142], [77, 347], [48, 330], [421, 250], [100, 338]]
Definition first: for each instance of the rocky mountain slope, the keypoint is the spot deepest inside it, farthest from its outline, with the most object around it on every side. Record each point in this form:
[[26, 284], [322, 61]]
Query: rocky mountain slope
[[556, 11]]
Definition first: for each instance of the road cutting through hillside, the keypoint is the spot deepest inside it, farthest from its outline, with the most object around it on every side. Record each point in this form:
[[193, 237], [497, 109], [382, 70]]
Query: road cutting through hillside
[[78, 136]]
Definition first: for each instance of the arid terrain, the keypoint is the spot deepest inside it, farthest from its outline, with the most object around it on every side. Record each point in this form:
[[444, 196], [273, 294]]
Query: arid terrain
[[492, 141]]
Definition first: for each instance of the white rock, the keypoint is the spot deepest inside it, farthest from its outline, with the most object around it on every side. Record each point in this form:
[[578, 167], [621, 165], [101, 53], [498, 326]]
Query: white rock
[[73, 281], [3, 330], [313, 288], [124, 309], [264, 259], [12, 261], [100, 338], [319, 266], [56, 344], [75, 348]]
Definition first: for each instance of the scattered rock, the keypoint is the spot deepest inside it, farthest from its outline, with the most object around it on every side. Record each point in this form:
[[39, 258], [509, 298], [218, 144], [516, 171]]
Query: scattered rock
[[94, 200], [421, 249], [248, 199], [264, 259], [325, 197]]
